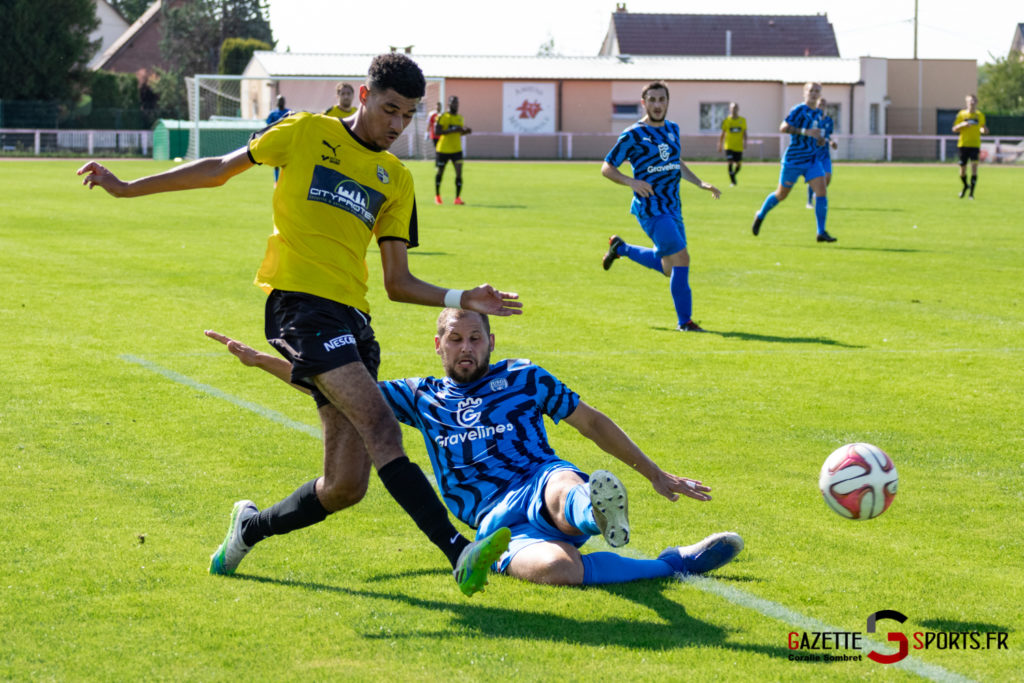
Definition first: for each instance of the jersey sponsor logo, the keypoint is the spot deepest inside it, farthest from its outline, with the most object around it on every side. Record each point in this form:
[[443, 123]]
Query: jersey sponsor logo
[[467, 414], [663, 167], [339, 341], [664, 151], [473, 434], [499, 384], [338, 190], [735, 129], [382, 175]]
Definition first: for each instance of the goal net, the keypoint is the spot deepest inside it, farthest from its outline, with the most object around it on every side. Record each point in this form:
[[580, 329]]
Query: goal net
[[225, 110]]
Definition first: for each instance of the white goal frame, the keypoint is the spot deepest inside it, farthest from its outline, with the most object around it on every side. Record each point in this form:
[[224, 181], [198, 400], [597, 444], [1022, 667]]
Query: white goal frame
[[250, 99]]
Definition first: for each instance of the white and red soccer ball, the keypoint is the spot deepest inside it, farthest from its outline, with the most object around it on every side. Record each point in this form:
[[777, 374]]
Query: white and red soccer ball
[[858, 481]]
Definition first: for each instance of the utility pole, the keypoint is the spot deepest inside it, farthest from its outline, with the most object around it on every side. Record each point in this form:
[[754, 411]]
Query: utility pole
[[915, 29]]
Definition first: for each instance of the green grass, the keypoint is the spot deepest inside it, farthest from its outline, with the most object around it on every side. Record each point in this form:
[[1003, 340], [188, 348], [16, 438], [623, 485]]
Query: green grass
[[117, 482]]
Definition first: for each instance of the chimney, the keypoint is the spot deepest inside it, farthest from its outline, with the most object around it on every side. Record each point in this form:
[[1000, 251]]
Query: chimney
[[620, 7]]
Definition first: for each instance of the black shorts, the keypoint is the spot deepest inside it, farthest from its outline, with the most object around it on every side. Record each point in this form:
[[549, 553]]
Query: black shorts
[[731, 155], [968, 154], [443, 159], [318, 335]]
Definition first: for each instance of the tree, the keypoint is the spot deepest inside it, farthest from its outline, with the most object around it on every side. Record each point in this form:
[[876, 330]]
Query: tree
[[45, 48], [130, 9], [235, 54], [547, 48], [1001, 89]]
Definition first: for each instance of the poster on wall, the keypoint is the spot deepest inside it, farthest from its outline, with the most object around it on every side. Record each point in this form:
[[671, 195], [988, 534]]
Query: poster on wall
[[528, 108]]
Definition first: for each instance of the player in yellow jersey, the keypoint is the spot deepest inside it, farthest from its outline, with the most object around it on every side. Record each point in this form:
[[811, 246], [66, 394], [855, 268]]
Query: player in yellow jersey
[[339, 188], [733, 139], [449, 129], [344, 108], [970, 125]]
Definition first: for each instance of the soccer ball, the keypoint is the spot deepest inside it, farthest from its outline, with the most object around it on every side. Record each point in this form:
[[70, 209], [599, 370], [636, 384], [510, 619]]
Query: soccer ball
[[858, 481]]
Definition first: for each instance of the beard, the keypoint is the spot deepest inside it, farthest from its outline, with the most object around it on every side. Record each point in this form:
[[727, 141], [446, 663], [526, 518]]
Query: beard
[[466, 376]]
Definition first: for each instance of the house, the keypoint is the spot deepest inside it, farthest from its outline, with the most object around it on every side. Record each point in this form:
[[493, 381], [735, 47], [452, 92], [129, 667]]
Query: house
[[137, 50], [112, 26], [719, 35], [1018, 42]]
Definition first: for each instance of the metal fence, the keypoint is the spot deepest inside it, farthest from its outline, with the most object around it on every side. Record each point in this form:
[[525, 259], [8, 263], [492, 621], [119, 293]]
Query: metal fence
[[38, 141]]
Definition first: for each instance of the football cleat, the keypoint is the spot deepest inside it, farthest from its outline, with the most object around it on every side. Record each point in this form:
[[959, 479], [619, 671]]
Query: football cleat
[[476, 559], [963, 192], [614, 242], [458, 201], [713, 552], [611, 508], [437, 199], [825, 237], [226, 558], [756, 227], [690, 326]]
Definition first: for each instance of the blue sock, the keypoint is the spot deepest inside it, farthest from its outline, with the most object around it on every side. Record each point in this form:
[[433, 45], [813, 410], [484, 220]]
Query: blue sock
[[578, 510], [679, 286], [611, 568], [770, 202], [645, 256], [820, 212], [810, 195]]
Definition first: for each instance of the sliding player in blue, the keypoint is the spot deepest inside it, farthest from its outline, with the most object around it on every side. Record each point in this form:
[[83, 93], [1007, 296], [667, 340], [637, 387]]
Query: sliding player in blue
[[803, 123], [483, 425], [824, 150], [652, 147]]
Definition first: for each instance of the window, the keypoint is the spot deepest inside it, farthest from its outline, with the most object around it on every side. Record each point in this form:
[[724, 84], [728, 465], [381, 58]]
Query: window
[[833, 110], [712, 114], [626, 111], [873, 119]]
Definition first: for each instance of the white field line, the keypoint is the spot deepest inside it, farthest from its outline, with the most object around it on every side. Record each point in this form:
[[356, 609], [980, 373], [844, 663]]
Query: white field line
[[736, 596]]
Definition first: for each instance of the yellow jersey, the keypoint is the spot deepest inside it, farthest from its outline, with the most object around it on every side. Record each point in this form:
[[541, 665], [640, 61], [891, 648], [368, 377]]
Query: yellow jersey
[[970, 136], [734, 129], [334, 194], [339, 112], [450, 143]]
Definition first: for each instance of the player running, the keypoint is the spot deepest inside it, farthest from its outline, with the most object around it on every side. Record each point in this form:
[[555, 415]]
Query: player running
[[733, 139], [483, 426], [339, 188], [653, 148], [448, 131], [824, 149], [803, 123], [970, 126]]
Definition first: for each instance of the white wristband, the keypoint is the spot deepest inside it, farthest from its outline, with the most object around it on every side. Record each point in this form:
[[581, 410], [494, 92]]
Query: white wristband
[[453, 298], [803, 131]]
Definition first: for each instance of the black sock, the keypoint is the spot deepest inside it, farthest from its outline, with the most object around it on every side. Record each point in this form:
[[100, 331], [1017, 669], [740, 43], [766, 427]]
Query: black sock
[[405, 482], [458, 187], [963, 179], [301, 509], [974, 181]]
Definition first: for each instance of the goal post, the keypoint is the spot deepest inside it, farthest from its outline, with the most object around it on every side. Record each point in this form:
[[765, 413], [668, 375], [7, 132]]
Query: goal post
[[224, 111]]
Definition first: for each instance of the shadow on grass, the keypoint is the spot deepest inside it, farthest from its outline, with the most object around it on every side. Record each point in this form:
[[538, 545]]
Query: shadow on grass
[[750, 336], [673, 628]]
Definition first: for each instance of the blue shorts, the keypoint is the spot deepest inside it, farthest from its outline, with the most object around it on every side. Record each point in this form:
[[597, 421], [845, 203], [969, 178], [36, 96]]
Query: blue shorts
[[520, 511], [826, 165], [789, 173], [666, 231]]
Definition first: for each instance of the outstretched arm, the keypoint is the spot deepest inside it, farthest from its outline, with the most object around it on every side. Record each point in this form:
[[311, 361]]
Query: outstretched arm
[[402, 285], [275, 365], [609, 437], [208, 172]]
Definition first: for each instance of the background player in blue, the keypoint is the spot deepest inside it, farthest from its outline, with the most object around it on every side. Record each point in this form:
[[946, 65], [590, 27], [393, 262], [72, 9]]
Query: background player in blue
[[483, 425], [824, 149], [652, 147], [800, 159], [272, 118]]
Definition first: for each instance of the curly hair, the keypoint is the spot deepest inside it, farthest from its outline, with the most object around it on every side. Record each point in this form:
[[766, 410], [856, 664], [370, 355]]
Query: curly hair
[[396, 71]]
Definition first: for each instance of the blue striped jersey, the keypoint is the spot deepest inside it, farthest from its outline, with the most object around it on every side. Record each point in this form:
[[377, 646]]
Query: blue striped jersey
[[485, 436], [801, 147], [654, 152], [827, 128]]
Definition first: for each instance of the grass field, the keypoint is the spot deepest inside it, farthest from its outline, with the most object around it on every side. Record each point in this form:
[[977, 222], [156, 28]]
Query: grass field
[[125, 435]]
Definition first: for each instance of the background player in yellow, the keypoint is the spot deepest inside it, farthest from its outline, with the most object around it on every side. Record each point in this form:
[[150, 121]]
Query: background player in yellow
[[339, 188], [970, 125], [449, 129], [733, 139], [344, 107]]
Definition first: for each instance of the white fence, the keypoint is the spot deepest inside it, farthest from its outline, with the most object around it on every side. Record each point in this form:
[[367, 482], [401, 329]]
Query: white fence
[[52, 141]]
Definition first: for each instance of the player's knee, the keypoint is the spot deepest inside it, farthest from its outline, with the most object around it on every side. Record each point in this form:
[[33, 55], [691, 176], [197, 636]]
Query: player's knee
[[340, 492], [554, 570]]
